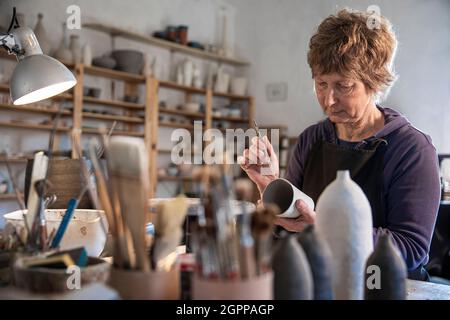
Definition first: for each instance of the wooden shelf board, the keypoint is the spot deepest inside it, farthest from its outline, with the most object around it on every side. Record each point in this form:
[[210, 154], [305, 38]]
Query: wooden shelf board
[[231, 119], [8, 196], [114, 103], [182, 113], [176, 125], [114, 74], [14, 159], [33, 109], [31, 126], [114, 31], [112, 117], [173, 85], [230, 96], [115, 132]]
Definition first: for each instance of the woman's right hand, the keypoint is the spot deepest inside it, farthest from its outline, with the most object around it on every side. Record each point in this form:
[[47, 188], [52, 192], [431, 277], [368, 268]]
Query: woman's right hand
[[260, 162]]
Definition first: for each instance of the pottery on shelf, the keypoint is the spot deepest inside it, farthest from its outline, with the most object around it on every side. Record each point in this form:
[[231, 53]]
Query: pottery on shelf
[[319, 258], [128, 60], [63, 53], [292, 274], [222, 81], [148, 63], [87, 55], [239, 86], [41, 35], [75, 48], [344, 220], [390, 282], [104, 62], [188, 72]]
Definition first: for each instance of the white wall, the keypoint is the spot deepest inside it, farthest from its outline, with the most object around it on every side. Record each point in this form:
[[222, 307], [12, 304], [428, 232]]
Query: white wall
[[275, 36]]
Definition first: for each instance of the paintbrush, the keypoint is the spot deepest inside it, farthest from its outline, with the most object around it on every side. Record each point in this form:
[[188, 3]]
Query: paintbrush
[[129, 174], [262, 226], [244, 190], [106, 205], [258, 134], [19, 198], [168, 228]]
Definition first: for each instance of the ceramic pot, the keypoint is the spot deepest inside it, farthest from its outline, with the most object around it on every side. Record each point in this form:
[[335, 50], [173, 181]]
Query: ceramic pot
[[344, 220], [386, 272], [104, 62], [319, 258], [75, 48], [128, 60], [63, 53], [41, 35], [292, 274]]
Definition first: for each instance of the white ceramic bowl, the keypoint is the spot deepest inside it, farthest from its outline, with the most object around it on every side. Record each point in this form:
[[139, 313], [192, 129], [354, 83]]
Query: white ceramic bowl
[[87, 229]]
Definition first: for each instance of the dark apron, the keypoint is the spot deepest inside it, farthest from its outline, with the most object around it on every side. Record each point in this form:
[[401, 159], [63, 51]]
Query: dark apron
[[366, 169]]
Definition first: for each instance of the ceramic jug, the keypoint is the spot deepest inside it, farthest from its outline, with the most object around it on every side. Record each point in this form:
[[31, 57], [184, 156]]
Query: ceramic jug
[[344, 220], [63, 53], [41, 35], [319, 258], [292, 274], [386, 272], [75, 48]]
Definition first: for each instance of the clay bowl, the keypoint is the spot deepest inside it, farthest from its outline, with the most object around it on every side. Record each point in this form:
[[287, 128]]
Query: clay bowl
[[47, 280], [128, 60]]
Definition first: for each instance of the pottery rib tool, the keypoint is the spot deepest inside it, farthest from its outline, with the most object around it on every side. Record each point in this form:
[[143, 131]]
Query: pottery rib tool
[[168, 228], [129, 174]]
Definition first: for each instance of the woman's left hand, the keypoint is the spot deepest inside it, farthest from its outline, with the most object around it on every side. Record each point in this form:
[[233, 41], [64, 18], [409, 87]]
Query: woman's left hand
[[306, 217]]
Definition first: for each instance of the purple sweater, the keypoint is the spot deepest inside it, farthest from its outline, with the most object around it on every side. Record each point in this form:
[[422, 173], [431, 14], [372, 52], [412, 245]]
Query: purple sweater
[[411, 185]]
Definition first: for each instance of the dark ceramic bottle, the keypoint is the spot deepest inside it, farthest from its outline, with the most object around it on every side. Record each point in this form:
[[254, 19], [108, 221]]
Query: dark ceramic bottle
[[319, 258], [292, 274], [386, 272]]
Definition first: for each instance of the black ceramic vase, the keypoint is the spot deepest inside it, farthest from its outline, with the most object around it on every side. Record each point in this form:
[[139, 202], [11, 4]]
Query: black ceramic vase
[[319, 258], [385, 272], [292, 274]]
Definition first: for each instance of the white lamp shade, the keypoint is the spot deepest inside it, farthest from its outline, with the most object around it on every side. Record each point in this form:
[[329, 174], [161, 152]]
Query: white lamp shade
[[38, 77]]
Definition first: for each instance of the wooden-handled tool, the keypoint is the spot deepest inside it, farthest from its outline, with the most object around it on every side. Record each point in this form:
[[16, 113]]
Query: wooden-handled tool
[[129, 175]]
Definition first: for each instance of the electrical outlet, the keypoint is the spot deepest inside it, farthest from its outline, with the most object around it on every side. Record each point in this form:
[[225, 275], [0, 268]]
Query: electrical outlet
[[276, 92]]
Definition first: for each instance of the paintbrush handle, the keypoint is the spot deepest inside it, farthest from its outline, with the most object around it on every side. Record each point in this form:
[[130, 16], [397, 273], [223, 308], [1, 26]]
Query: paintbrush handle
[[73, 203]]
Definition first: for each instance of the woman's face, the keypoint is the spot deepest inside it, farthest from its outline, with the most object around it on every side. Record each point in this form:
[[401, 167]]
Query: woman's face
[[342, 99]]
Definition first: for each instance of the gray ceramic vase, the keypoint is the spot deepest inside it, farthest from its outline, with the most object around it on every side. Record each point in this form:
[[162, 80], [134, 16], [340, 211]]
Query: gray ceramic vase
[[319, 258], [386, 272], [292, 274]]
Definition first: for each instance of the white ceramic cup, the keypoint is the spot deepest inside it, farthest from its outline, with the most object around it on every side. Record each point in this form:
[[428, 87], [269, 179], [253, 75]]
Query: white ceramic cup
[[284, 194]]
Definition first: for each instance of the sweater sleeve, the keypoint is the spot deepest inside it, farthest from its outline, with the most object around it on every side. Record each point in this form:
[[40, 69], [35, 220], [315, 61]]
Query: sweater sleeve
[[413, 198]]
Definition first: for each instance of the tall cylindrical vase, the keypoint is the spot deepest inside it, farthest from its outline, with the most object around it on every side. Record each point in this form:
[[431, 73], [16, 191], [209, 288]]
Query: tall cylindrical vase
[[344, 219]]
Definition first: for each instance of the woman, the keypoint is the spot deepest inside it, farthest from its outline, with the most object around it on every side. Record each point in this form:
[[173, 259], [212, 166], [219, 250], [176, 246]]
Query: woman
[[394, 163]]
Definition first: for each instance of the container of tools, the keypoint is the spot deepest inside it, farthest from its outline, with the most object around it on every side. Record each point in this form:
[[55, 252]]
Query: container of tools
[[57, 273], [151, 285]]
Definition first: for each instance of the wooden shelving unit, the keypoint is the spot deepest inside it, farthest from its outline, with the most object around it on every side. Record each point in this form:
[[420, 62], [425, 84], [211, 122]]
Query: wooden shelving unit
[[136, 119]]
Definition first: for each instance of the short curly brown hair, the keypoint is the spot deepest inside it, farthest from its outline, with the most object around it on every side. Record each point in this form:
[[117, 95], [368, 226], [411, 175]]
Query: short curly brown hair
[[344, 44]]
